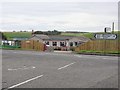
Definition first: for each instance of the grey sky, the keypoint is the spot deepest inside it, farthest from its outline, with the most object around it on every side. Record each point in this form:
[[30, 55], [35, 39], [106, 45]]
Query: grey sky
[[62, 16]]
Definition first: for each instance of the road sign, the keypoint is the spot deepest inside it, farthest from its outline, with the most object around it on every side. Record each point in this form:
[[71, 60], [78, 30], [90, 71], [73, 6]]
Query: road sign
[[105, 36], [107, 29]]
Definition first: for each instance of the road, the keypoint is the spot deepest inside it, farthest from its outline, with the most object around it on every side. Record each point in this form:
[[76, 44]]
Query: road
[[32, 69]]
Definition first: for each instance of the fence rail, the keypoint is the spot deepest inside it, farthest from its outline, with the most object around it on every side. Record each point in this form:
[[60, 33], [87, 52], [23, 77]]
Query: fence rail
[[100, 45], [32, 45]]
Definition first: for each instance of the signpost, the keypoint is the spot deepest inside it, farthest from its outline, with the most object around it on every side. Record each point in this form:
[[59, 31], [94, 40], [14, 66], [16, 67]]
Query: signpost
[[107, 29], [106, 36]]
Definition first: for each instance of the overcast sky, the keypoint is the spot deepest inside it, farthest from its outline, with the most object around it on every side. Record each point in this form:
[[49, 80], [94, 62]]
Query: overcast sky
[[61, 16]]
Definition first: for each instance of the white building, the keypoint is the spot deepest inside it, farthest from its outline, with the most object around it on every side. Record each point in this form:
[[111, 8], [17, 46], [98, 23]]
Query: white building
[[60, 42]]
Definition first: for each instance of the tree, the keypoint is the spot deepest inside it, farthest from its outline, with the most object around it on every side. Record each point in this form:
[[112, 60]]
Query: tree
[[38, 32], [3, 36], [55, 32]]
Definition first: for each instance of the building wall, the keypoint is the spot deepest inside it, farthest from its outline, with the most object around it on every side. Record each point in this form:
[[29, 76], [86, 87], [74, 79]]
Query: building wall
[[58, 43], [6, 42], [35, 38], [11, 42], [67, 44], [73, 42]]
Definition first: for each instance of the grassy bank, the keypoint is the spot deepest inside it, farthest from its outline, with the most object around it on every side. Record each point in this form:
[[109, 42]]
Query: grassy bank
[[98, 52], [88, 35], [9, 47], [11, 35]]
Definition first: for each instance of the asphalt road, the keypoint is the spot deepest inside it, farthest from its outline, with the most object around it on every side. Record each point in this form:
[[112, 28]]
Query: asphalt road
[[30, 69]]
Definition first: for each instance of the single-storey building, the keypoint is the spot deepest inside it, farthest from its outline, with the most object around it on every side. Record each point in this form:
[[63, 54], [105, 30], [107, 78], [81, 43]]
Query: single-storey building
[[14, 41], [11, 42], [58, 41]]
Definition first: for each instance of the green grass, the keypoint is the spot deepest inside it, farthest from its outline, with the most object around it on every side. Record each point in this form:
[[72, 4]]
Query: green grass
[[9, 47], [89, 35], [11, 35], [98, 52]]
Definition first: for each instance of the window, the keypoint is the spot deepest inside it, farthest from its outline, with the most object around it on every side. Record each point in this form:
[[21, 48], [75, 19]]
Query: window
[[62, 43], [76, 43], [47, 43], [5, 43], [54, 43], [71, 43]]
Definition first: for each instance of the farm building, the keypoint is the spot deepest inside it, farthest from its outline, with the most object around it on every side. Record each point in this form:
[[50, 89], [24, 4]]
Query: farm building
[[11, 42], [14, 38], [58, 41], [14, 42]]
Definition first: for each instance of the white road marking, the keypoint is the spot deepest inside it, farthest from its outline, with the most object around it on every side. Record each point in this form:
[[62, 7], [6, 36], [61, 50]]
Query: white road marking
[[33, 67], [25, 82], [9, 69], [104, 58], [66, 66]]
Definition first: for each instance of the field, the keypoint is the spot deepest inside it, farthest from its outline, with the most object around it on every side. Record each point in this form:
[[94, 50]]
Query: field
[[11, 35], [88, 35]]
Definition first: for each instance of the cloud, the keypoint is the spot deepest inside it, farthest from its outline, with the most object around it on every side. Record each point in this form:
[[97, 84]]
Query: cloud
[[61, 16], [60, 0], [62, 22]]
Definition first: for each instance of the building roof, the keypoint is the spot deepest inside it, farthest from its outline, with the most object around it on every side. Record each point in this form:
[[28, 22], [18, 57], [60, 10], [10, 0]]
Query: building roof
[[41, 36], [82, 38], [60, 37], [20, 39]]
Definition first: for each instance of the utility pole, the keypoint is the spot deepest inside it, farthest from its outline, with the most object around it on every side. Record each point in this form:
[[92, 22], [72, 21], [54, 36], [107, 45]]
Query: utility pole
[[105, 31], [113, 27], [32, 32]]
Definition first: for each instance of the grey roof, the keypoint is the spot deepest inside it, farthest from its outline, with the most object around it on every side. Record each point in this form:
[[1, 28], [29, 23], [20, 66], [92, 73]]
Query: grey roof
[[41, 36], [59, 37], [20, 38], [82, 38]]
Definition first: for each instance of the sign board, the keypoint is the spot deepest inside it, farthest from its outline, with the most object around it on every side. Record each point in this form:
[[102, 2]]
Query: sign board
[[107, 29], [106, 36]]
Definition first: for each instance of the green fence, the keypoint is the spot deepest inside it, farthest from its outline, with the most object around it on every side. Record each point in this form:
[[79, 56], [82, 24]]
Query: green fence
[[8, 47]]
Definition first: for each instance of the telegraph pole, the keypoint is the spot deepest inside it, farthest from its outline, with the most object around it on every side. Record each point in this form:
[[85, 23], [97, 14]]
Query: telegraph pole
[[113, 27], [105, 31]]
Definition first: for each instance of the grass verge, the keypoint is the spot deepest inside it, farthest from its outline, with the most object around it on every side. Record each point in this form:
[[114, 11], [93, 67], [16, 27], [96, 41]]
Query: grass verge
[[98, 52]]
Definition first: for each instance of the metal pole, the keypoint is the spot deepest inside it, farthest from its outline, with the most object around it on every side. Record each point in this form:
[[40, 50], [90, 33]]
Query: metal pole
[[104, 42], [105, 47], [113, 27]]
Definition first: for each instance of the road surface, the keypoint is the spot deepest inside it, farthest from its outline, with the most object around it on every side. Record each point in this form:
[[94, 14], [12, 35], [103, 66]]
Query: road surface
[[31, 69]]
